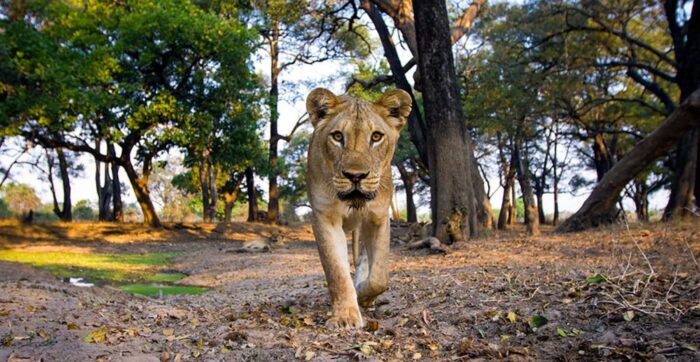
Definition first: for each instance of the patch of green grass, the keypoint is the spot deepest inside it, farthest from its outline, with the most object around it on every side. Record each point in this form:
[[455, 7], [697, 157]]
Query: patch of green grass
[[166, 277], [98, 268], [153, 290]]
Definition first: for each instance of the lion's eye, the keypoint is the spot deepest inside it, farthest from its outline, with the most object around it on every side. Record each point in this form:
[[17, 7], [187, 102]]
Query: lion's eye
[[377, 136], [337, 136]]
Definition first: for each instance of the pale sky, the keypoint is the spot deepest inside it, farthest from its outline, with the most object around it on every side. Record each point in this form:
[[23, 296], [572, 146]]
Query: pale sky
[[291, 107]]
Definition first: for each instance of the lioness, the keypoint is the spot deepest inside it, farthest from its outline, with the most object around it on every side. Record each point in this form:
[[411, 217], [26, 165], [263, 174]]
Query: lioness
[[350, 188]]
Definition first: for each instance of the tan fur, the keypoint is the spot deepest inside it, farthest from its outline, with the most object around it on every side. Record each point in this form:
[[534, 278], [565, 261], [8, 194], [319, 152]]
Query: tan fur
[[342, 204]]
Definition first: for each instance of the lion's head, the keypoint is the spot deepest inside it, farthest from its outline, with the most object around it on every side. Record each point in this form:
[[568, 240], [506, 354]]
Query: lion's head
[[356, 140]]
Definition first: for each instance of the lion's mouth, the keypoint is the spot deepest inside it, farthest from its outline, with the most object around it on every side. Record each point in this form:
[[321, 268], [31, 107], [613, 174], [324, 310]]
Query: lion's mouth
[[355, 198]]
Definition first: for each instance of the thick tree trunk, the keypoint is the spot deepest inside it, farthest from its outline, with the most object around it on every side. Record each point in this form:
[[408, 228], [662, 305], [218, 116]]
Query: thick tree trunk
[[66, 213], [416, 126], [104, 191], [230, 196], [685, 176], [409, 180], [449, 147], [117, 205], [680, 202], [599, 208], [513, 214], [508, 172], [204, 186], [531, 220], [252, 195], [540, 207], [273, 191], [140, 186], [213, 192], [482, 204], [602, 158]]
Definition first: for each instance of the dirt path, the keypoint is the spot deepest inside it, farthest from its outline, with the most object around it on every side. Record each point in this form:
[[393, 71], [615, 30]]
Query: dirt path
[[486, 299]]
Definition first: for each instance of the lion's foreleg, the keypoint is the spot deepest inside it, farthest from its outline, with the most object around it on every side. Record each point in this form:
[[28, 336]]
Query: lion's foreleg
[[333, 251], [375, 238]]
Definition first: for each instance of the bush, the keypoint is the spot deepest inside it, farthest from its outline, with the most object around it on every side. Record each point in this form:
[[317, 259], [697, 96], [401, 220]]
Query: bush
[[83, 211], [5, 212]]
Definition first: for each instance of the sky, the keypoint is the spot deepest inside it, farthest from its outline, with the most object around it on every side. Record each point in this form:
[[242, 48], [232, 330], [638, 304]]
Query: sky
[[302, 78]]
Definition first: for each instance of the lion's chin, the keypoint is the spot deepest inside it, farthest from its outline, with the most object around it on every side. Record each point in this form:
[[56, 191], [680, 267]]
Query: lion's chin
[[355, 198]]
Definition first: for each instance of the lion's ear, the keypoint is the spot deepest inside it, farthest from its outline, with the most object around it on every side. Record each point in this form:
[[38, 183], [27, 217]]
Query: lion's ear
[[318, 104], [399, 104]]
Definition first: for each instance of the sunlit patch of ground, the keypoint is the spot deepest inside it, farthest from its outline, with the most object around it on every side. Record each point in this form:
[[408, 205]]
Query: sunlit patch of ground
[[608, 294]]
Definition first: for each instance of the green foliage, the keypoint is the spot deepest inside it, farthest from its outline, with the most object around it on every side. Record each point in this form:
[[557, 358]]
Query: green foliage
[[294, 166], [83, 211], [5, 212], [20, 198]]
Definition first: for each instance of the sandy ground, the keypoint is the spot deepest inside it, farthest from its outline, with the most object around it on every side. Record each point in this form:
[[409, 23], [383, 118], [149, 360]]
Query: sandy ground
[[483, 300]]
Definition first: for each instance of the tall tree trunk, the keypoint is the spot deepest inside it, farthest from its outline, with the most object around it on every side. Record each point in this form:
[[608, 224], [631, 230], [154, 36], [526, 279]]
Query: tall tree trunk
[[409, 180], [252, 195], [104, 191], [204, 186], [602, 158], [273, 192], [599, 207], [555, 175], [482, 204], [680, 202], [531, 220], [540, 207], [449, 147], [230, 196], [213, 192], [513, 214], [66, 213], [117, 205], [685, 178], [508, 172], [416, 126], [140, 186]]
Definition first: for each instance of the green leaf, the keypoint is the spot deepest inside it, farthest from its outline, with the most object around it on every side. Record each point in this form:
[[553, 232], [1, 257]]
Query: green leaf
[[598, 278], [536, 321], [562, 332], [97, 336]]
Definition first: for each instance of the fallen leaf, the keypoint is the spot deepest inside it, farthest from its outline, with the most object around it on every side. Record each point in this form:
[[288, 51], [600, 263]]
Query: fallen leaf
[[417, 355], [562, 332], [511, 317], [504, 337], [595, 279], [309, 355], [372, 325], [168, 332], [97, 336], [628, 315], [536, 321], [72, 326], [433, 346]]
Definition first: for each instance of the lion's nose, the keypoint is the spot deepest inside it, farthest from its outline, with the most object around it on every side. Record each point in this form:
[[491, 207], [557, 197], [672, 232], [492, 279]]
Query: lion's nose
[[355, 177]]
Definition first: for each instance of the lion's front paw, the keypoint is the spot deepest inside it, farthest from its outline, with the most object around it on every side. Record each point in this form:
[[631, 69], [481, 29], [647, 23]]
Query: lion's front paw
[[345, 318]]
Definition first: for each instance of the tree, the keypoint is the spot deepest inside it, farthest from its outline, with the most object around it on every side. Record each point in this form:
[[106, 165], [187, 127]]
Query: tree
[[136, 76], [448, 141], [599, 207], [20, 198], [298, 32]]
